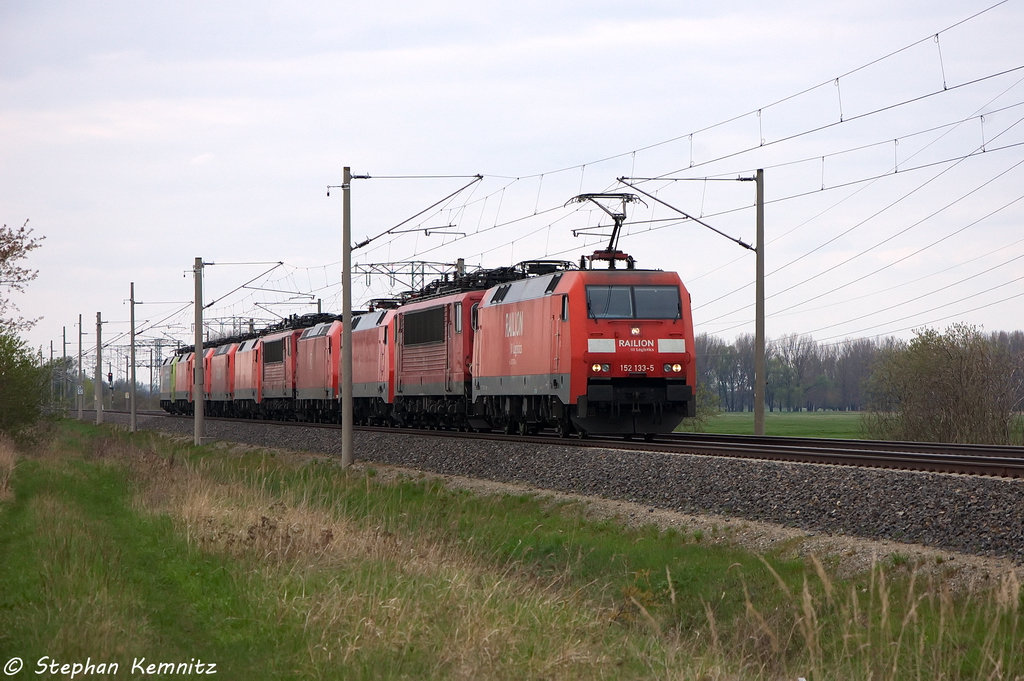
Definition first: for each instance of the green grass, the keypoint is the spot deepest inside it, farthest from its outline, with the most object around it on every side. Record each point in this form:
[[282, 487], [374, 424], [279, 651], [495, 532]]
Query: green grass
[[82, 574], [833, 424], [277, 566]]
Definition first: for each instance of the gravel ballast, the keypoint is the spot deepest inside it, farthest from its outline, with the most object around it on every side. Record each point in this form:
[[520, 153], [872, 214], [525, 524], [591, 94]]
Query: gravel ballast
[[964, 513]]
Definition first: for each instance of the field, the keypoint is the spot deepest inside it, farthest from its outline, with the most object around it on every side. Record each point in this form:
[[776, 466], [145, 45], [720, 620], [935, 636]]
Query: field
[[835, 424], [278, 565]]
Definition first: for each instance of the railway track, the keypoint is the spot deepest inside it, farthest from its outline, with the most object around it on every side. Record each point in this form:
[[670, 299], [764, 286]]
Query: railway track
[[989, 460]]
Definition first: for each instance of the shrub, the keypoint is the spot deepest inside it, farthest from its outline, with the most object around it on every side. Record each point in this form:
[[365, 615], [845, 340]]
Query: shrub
[[952, 387], [22, 386]]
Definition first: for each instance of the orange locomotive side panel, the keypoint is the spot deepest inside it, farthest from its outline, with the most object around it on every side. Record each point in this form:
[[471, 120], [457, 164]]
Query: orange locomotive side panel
[[371, 360], [434, 345], [277, 364], [247, 374], [316, 367], [220, 373], [184, 378]]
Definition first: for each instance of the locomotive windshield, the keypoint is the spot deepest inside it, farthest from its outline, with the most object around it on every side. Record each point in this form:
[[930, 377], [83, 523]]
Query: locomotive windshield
[[634, 302]]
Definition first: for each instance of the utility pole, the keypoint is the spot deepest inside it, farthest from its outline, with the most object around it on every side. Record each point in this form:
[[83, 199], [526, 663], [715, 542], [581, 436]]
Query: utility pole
[[132, 357], [80, 389], [198, 386], [98, 392], [346, 322], [760, 379], [64, 367]]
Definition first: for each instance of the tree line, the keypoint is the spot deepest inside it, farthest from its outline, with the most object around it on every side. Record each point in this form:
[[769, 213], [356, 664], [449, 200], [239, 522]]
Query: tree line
[[802, 374]]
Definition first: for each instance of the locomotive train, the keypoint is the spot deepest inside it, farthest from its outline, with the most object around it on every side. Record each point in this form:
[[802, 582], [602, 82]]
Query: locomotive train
[[543, 344]]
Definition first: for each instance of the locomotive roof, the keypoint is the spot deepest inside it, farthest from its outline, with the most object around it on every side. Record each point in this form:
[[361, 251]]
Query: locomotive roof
[[481, 279], [287, 324], [538, 287], [526, 289], [370, 319], [523, 281]]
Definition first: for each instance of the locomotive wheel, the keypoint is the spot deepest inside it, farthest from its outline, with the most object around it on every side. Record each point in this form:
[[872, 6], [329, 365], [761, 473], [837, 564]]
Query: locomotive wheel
[[564, 429], [648, 437]]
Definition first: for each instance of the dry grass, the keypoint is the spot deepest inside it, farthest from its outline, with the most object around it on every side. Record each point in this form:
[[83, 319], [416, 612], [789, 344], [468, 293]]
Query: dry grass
[[876, 631], [364, 593]]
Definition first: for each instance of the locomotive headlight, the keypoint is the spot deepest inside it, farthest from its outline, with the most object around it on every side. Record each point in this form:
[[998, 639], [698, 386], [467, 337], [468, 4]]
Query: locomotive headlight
[[635, 330], [606, 367], [667, 368], [595, 368], [677, 368]]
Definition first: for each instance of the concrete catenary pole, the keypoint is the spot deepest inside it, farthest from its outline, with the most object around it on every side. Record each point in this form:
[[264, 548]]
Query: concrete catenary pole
[[347, 455], [98, 393], [131, 378], [198, 385], [80, 389], [760, 378], [64, 369]]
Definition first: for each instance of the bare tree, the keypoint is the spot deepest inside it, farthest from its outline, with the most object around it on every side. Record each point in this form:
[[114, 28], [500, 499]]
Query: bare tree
[[745, 376], [853, 366]]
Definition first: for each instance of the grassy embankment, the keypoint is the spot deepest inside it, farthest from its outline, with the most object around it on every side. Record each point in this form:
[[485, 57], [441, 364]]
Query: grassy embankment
[[115, 547]]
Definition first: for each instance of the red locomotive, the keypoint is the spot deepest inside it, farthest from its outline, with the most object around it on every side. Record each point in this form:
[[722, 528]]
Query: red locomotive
[[596, 351], [540, 345], [316, 373]]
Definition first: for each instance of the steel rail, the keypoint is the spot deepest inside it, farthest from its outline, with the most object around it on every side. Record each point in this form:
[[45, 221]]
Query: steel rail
[[1009, 451], [1007, 462]]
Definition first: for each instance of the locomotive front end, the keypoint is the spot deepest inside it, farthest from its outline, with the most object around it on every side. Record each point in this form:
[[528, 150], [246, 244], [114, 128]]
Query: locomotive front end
[[637, 359]]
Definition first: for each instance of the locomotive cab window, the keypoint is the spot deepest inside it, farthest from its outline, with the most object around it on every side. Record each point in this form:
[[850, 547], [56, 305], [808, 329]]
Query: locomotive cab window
[[657, 302], [634, 302], [474, 316], [610, 302]]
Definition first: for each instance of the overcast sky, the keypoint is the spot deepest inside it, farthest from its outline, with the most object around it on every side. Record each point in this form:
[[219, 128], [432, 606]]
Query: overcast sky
[[138, 136]]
